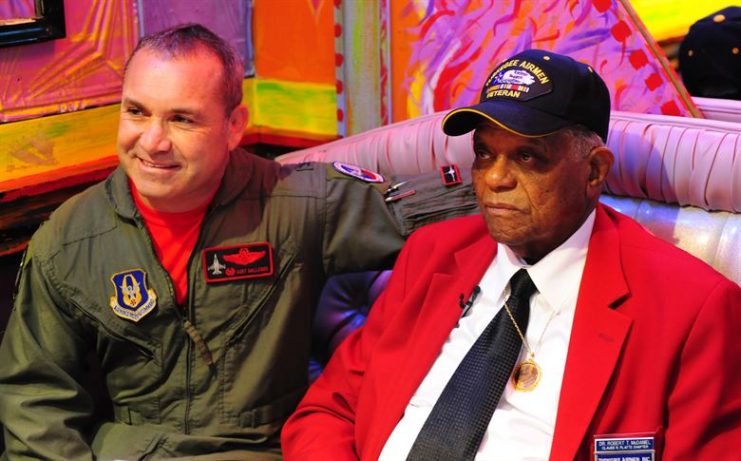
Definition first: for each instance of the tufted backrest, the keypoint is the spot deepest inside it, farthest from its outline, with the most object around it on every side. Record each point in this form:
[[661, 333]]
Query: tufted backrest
[[679, 177], [719, 109]]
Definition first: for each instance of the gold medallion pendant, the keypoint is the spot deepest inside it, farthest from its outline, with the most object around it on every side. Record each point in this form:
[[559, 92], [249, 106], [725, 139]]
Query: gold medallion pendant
[[526, 375]]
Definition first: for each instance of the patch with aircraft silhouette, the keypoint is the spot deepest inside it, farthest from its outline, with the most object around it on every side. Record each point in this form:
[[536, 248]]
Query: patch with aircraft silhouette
[[252, 260], [132, 299], [450, 175]]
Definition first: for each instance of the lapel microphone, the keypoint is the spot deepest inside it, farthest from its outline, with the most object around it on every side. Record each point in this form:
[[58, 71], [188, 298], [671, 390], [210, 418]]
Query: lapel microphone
[[466, 306]]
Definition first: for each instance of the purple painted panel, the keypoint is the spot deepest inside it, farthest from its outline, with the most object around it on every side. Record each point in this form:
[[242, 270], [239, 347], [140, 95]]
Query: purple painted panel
[[229, 18], [14, 9], [82, 70]]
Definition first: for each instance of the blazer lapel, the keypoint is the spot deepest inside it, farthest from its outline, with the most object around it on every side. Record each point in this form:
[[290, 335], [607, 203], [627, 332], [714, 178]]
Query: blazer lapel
[[597, 338], [439, 313]]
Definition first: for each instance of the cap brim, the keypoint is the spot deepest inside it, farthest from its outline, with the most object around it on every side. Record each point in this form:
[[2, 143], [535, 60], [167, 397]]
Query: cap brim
[[515, 117]]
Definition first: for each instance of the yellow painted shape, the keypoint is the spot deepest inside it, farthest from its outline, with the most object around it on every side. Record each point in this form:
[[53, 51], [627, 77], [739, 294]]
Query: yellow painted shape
[[294, 106], [248, 99], [667, 19], [416, 88], [33, 147], [32, 150]]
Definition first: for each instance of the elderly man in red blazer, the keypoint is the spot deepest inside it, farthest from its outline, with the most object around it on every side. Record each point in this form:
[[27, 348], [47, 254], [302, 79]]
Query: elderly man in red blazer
[[547, 327]]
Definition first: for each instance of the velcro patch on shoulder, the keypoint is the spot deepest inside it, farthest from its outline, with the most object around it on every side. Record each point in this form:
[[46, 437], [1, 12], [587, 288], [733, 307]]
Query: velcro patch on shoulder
[[248, 261], [450, 175], [363, 174]]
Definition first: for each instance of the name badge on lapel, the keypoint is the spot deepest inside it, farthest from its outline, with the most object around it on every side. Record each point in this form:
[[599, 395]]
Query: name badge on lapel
[[625, 447], [249, 261]]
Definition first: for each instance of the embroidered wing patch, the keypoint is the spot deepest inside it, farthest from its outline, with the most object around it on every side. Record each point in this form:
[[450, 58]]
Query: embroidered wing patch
[[248, 261]]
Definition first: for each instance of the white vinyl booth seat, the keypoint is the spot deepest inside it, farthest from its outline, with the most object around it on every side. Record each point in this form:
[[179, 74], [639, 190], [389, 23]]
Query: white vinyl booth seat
[[681, 160], [719, 109], [713, 236], [679, 177]]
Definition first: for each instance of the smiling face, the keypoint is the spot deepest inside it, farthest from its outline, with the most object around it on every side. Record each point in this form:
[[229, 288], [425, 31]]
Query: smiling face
[[174, 133], [535, 192]]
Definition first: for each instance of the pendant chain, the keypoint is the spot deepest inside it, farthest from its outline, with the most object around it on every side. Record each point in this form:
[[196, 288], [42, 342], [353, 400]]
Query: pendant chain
[[530, 352]]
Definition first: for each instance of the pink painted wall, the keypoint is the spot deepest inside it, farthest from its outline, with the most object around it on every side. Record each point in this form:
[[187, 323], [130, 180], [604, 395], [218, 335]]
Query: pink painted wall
[[443, 50], [82, 70]]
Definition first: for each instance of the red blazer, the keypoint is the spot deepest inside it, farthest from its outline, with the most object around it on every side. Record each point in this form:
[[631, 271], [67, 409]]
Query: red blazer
[[655, 348]]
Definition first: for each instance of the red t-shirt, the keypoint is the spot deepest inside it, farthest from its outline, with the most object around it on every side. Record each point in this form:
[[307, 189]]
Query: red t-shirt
[[174, 236]]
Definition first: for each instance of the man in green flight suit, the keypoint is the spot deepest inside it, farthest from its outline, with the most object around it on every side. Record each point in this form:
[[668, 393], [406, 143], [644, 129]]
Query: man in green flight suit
[[190, 274]]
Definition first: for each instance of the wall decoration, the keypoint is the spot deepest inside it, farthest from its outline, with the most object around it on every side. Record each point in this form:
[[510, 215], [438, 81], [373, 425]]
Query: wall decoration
[[442, 50]]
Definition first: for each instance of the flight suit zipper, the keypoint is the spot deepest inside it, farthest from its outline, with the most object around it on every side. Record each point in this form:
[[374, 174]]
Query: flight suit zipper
[[171, 289], [190, 328]]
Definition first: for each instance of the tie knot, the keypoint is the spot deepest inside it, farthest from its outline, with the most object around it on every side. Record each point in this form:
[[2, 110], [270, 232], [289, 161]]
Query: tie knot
[[522, 286]]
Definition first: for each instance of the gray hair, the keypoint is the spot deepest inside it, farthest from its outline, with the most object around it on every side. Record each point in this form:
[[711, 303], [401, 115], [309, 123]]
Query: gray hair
[[583, 139], [186, 39]]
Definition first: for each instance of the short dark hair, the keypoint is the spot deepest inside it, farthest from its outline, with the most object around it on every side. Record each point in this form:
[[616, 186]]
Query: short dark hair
[[185, 39]]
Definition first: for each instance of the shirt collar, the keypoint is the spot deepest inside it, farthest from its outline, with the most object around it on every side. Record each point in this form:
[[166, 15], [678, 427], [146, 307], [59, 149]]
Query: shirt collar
[[557, 275]]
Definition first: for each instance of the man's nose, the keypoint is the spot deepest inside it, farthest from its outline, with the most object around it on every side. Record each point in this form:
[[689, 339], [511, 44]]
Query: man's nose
[[155, 138], [498, 175]]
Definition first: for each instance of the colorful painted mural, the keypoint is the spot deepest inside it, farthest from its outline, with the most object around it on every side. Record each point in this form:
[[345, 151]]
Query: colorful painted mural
[[443, 50], [294, 84], [76, 81], [82, 70], [317, 69]]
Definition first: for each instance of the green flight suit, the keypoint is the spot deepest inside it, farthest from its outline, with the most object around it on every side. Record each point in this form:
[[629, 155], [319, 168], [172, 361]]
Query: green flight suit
[[214, 378]]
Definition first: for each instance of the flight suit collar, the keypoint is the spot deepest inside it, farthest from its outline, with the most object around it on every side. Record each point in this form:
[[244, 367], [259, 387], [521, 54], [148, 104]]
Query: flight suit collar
[[238, 175]]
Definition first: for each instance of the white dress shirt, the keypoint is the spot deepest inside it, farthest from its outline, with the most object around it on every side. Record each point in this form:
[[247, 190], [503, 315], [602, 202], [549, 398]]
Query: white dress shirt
[[522, 426]]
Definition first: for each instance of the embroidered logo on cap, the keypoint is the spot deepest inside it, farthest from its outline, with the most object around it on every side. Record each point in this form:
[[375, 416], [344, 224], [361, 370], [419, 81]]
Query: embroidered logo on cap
[[518, 79], [451, 175], [253, 260], [363, 174], [132, 299]]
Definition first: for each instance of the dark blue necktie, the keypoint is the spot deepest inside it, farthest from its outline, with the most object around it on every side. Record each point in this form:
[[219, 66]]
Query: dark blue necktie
[[459, 419]]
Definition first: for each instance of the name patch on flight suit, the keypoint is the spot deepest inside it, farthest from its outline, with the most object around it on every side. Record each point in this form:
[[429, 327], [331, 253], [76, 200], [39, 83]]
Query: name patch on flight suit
[[253, 260], [132, 299], [363, 174], [625, 447]]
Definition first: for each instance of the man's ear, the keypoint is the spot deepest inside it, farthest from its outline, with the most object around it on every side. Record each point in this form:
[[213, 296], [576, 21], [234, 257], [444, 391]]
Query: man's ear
[[237, 123], [600, 161]]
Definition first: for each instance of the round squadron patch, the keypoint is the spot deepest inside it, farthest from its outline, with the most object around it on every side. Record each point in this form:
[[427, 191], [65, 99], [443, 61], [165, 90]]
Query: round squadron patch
[[363, 174], [132, 299]]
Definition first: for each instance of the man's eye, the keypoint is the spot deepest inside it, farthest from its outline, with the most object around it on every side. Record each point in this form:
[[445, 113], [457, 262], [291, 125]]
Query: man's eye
[[182, 119], [526, 156], [133, 111], [482, 155]]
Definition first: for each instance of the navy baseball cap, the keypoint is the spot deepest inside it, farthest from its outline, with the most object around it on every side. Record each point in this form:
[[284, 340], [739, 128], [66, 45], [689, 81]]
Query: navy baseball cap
[[710, 55], [535, 93]]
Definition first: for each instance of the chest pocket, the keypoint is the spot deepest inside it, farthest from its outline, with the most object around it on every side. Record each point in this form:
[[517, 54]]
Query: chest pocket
[[259, 299], [129, 357]]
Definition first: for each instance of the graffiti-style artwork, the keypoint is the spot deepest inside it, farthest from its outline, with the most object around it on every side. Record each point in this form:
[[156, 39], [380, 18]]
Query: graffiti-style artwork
[[230, 18], [444, 49], [82, 70]]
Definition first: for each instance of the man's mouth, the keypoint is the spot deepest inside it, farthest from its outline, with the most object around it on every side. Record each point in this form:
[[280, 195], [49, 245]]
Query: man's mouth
[[157, 165]]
